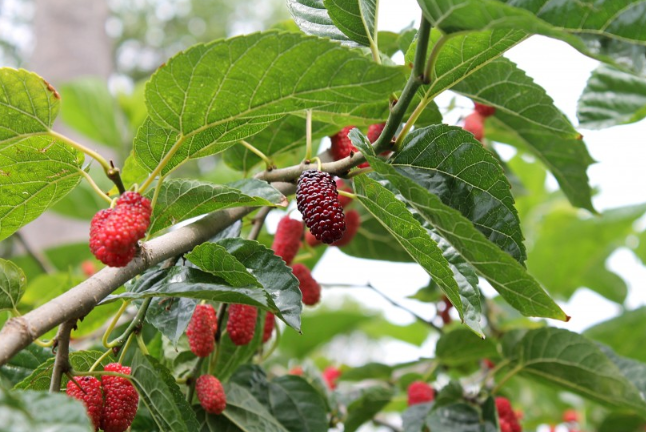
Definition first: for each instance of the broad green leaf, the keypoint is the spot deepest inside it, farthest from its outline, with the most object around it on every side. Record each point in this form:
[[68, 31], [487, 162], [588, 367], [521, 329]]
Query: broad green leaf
[[620, 422], [582, 246], [212, 95], [408, 232], [414, 418], [373, 241], [283, 136], [503, 272], [232, 356], [83, 202], [181, 199], [243, 413], [369, 371], [506, 87], [41, 376], [28, 105], [23, 364], [312, 18], [319, 328], [462, 346], [561, 20], [276, 278], [640, 249], [355, 18], [576, 364], [450, 163], [370, 401], [171, 316], [612, 98], [626, 56], [214, 258], [567, 159], [163, 398], [389, 43], [132, 172], [414, 334], [625, 334], [36, 172], [12, 282], [91, 110], [464, 54], [634, 371], [28, 411], [297, 405]]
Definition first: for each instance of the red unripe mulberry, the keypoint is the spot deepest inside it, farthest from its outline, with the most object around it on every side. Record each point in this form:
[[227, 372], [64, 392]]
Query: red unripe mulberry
[[201, 330], [352, 224], [318, 202], [311, 240], [270, 323], [474, 123], [287, 239], [331, 375], [342, 147], [507, 416], [242, 323], [90, 394], [374, 131], [210, 393], [420, 392], [309, 287], [120, 400], [114, 233], [484, 110]]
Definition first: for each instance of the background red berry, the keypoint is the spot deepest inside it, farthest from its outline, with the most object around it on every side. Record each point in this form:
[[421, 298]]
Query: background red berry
[[352, 224], [484, 110], [120, 400], [287, 240], [420, 392], [374, 131], [331, 375], [318, 202], [242, 323], [90, 394], [210, 393], [270, 323], [474, 123], [341, 186], [201, 330], [309, 287], [311, 240]]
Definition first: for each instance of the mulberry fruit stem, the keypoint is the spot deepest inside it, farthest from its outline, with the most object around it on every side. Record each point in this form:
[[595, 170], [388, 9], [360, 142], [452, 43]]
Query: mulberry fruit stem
[[347, 194], [308, 135], [94, 155], [155, 198], [142, 344], [95, 187], [162, 164], [100, 359], [124, 350], [268, 162], [113, 323], [274, 345]]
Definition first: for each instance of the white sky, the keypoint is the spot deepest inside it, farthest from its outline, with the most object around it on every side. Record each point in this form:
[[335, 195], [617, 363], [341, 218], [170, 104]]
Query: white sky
[[619, 175]]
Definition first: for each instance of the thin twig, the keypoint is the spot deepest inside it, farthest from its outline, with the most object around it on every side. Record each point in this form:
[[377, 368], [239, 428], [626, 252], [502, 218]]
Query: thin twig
[[258, 222], [40, 258], [62, 361], [391, 301], [192, 377], [384, 423]]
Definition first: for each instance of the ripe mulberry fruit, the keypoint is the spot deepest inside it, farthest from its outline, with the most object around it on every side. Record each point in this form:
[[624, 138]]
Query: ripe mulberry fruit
[[201, 330], [474, 123], [484, 110], [311, 240], [114, 233], [242, 323], [318, 202], [420, 392], [352, 224], [121, 399], [570, 416], [309, 287], [270, 323], [90, 394], [506, 415], [341, 186], [296, 370], [210, 394], [287, 239], [331, 375], [342, 147]]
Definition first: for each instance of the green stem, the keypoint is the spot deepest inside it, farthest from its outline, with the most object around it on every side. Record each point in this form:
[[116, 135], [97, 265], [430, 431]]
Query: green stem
[[113, 323], [124, 350], [95, 187], [134, 325], [308, 134], [411, 121], [192, 378], [347, 194], [415, 80], [100, 359], [511, 373], [162, 164], [141, 343], [268, 163], [274, 345], [94, 155], [429, 70]]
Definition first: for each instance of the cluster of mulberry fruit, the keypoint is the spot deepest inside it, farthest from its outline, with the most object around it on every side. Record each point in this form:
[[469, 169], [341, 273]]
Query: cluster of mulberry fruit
[[111, 403], [507, 416], [115, 232], [474, 122]]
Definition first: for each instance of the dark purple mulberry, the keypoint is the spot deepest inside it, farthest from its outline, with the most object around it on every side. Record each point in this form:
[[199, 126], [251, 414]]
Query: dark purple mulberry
[[318, 202]]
